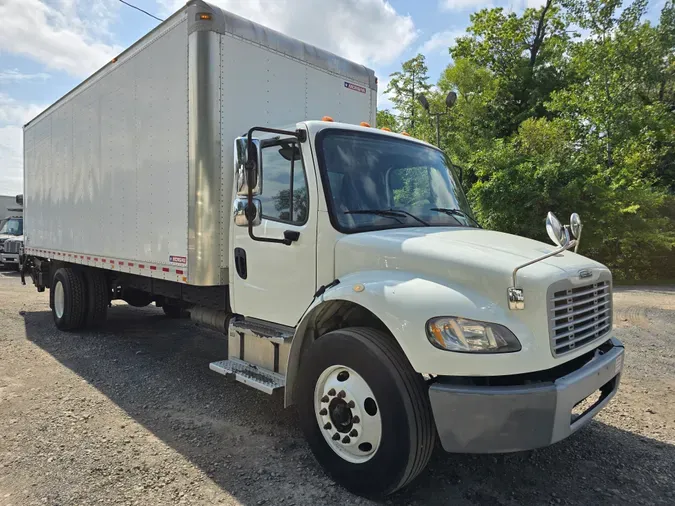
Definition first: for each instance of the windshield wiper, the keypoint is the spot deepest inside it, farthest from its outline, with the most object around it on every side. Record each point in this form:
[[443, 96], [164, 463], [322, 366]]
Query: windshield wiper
[[389, 213], [455, 212]]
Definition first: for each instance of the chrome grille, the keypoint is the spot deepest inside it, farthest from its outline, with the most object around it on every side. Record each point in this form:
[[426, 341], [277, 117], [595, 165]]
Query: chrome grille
[[12, 246], [579, 315]]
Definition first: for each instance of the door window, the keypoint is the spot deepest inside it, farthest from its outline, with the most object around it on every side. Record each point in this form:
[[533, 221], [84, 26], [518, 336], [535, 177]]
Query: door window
[[283, 176]]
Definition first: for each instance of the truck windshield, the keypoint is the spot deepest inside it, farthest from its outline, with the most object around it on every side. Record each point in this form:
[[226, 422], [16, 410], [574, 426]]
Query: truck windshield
[[374, 181], [12, 227]]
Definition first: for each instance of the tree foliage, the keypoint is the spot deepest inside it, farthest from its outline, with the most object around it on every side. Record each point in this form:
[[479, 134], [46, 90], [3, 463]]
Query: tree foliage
[[568, 107]]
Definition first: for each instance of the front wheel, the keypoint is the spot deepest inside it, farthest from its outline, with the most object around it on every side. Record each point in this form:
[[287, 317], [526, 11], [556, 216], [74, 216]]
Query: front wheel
[[364, 411]]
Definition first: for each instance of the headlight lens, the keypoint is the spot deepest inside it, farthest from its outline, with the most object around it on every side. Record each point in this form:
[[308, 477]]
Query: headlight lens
[[470, 336]]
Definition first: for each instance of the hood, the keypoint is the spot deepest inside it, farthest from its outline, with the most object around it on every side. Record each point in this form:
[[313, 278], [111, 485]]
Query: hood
[[5, 237], [458, 255]]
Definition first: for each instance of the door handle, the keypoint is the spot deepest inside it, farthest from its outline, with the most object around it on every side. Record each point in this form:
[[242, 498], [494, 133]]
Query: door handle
[[240, 262], [291, 236]]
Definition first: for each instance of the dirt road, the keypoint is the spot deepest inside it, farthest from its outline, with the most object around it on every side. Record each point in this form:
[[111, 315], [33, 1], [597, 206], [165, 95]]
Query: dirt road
[[132, 415]]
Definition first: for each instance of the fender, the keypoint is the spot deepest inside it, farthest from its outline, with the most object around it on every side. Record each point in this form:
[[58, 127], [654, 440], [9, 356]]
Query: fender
[[404, 302]]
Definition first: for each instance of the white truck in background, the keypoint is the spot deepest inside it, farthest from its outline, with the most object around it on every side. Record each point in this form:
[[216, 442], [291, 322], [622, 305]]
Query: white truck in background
[[11, 231], [197, 170]]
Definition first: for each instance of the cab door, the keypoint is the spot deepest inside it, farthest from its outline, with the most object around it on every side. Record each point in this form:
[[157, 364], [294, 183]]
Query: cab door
[[273, 281]]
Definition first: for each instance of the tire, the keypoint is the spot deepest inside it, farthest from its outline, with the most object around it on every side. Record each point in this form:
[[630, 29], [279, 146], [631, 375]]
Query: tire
[[175, 311], [68, 295], [407, 433], [98, 297]]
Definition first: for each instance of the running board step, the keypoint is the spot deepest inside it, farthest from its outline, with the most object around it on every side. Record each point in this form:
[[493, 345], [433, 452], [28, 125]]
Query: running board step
[[249, 374]]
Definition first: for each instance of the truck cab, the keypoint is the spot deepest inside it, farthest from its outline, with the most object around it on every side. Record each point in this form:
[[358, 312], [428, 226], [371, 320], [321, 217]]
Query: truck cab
[[11, 241], [365, 237]]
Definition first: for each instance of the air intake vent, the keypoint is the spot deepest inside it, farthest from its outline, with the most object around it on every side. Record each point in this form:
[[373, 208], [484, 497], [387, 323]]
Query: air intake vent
[[579, 315]]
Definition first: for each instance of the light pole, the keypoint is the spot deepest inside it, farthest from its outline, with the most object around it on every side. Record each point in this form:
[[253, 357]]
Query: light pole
[[450, 100]]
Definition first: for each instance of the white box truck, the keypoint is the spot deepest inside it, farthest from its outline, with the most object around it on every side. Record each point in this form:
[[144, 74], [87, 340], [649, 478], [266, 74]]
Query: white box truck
[[197, 171]]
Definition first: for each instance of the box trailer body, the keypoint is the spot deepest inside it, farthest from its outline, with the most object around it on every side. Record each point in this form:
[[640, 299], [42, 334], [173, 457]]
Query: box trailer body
[[202, 171], [144, 147]]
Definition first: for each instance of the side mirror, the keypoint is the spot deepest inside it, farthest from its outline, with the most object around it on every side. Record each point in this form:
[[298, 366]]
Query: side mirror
[[243, 213], [240, 159], [558, 234]]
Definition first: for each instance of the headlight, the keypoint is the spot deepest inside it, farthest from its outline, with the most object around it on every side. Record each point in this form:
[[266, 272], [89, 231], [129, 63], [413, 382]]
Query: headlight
[[470, 336]]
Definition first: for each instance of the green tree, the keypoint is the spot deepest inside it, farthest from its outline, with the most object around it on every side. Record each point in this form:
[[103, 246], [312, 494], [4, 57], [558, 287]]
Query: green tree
[[386, 119], [404, 87]]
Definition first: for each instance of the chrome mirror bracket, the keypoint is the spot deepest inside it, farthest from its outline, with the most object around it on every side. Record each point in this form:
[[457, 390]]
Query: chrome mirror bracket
[[516, 296]]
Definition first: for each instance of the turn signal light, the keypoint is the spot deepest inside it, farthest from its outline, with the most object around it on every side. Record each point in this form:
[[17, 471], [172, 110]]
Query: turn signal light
[[205, 17], [365, 124], [327, 118], [386, 129], [405, 133]]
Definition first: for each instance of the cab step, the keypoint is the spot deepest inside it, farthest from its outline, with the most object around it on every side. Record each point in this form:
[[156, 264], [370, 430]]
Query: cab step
[[249, 374]]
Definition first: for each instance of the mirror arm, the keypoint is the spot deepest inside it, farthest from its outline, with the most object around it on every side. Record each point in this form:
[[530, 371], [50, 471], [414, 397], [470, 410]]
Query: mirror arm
[[250, 165], [569, 244]]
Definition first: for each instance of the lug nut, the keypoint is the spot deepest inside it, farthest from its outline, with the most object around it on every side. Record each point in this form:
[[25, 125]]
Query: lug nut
[[346, 439], [353, 433], [356, 419], [342, 394], [325, 398], [351, 404], [323, 412], [328, 426], [336, 436], [331, 391]]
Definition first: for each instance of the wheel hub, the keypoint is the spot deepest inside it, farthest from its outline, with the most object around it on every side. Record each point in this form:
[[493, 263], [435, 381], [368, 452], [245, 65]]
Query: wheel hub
[[340, 415], [348, 414], [59, 299]]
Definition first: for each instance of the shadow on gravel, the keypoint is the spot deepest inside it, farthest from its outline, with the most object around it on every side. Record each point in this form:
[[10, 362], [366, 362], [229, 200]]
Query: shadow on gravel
[[156, 370]]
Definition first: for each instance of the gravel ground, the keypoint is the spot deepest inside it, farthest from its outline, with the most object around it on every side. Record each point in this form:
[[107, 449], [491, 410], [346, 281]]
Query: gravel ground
[[131, 414]]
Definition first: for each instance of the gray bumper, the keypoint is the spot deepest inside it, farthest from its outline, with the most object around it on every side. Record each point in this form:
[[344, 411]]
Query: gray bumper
[[499, 419], [9, 258]]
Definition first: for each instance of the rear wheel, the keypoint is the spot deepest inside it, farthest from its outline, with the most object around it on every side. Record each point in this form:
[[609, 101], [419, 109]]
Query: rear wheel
[[98, 297], [364, 411], [68, 295]]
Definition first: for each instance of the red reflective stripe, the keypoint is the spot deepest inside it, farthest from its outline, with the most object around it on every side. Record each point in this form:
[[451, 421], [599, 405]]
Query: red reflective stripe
[[179, 272], [153, 268], [141, 266], [165, 269]]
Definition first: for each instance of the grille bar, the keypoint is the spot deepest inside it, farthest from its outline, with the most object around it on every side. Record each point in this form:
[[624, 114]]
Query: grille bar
[[582, 301], [577, 312], [578, 294], [572, 321], [576, 330], [578, 315], [593, 333]]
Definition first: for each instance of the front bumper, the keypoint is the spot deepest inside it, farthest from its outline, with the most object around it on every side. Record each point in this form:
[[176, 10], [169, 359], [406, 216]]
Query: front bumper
[[500, 419], [9, 258]]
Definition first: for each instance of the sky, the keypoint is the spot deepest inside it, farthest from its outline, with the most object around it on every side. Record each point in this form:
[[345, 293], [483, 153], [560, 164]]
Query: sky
[[47, 47]]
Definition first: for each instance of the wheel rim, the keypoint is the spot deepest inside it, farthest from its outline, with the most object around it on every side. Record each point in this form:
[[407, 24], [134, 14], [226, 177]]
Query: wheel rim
[[348, 414], [59, 299]]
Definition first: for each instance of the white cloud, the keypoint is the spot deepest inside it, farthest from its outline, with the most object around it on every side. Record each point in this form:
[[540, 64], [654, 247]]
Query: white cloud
[[383, 101], [66, 37], [440, 41], [16, 113], [11, 156], [13, 114], [370, 32], [460, 5], [15, 76]]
